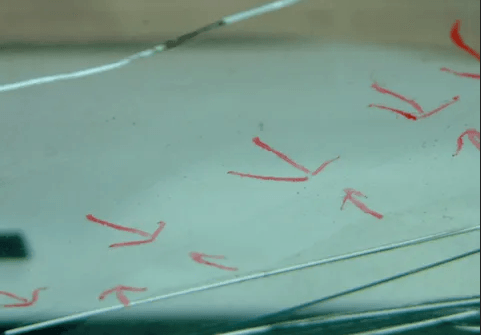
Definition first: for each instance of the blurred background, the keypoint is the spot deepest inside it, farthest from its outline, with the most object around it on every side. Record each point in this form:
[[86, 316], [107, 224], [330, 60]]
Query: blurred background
[[125, 21]]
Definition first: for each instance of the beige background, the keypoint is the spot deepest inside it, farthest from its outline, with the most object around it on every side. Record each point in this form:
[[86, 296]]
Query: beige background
[[99, 21]]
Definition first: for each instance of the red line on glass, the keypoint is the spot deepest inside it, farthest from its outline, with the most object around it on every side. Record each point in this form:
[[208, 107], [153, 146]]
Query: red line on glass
[[461, 74], [397, 111], [413, 103], [286, 159], [151, 237], [349, 196], [257, 141], [323, 166], [473, 136], [117, 227], [459, 42], [25, 302], [247, 175], [199, 258], [13, 296], [422, 114], [120, 294]]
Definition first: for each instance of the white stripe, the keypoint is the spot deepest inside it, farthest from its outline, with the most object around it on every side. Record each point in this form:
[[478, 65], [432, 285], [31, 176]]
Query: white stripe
[[63, 76], [469, 329], [273, 6], [81, 73]]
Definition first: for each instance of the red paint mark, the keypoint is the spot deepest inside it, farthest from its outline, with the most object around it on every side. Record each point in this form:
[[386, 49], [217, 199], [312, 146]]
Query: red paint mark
[[323, 166], [421, 113], [257, 141], [461, 74], [199, 258], [473, 136], [293, 180], [349, 196], [120, 294], [25, 302], [286, 159], [459, 42], [151, 237]]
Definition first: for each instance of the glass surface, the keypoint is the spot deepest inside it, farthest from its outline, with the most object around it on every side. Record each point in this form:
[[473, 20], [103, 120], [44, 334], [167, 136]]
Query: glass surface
[[183, 177]]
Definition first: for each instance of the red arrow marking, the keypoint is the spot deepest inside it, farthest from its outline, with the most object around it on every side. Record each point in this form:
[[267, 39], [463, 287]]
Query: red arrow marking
[[120, 295], [459, 42], [286, 159], [199, 258], [150, 240], [151, 237], [473, 136], [416, 106], [349, 193], [25, 302]]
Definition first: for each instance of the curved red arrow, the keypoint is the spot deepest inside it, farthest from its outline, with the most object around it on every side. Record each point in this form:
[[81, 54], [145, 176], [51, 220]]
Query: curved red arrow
[[349, 196], [473, 136], [151, 237], [119, 293], [459, 42], [25, 302], [199, 258], [421, 113], [257, 141]]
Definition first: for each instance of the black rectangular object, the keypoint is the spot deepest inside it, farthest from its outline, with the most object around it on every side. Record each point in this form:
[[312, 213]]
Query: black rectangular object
[[12, 246]]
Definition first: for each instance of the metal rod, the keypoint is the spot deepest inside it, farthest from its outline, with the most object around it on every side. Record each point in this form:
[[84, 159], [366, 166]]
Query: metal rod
[[289, 311], [255, 276], [350, 317]]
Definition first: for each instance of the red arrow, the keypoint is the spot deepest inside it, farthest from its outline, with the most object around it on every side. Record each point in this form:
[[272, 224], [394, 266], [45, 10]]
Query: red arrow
[[473, 136], [120, 295], [420, 111], [285, 158], [199, 258], [25, 302], [349, 193], [459, 42], [151, 237]]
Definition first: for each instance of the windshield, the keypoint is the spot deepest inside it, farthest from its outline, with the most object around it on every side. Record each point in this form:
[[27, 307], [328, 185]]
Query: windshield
[[266, 162]]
